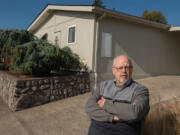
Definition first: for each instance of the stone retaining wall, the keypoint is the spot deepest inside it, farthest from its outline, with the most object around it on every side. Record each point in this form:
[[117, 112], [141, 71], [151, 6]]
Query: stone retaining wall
[[23, 93]]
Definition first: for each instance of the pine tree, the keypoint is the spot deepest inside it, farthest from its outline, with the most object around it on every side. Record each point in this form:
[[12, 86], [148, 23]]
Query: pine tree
[[98, 3]]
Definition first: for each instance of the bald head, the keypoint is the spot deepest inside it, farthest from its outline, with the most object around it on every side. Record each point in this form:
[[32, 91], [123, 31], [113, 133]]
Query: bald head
[[122, 69], [120, 58]]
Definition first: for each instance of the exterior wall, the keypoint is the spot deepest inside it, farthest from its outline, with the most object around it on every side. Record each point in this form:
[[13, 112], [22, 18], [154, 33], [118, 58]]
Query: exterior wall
[[153, 51], [58, 24]]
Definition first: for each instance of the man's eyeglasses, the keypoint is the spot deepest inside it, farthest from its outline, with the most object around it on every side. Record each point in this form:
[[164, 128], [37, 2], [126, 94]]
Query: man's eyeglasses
[[121, 68]]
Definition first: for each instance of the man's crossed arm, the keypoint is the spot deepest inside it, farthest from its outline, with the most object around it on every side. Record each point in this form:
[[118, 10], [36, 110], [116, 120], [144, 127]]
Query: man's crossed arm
[[101, 109]]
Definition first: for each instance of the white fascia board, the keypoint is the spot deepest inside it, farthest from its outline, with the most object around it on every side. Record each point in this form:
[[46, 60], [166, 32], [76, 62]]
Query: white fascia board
[[71, 8], [174, 28], [37, 20], [46, 12]]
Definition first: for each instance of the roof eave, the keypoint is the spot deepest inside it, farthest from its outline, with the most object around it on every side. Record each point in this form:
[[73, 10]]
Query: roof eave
[[174, 29], [131, 18], [50, 8]]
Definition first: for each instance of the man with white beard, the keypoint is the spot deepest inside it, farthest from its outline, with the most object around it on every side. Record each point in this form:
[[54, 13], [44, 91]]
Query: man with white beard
[[119, 106]]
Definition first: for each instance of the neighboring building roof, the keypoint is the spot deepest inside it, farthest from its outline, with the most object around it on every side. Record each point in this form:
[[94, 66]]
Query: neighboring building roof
[[91, 9]]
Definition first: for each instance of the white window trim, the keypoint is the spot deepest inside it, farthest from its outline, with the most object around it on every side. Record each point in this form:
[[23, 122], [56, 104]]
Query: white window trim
[[68, 34]]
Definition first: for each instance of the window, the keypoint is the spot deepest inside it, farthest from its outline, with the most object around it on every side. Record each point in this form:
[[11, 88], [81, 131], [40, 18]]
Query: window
[[106, 45], [71, 34]]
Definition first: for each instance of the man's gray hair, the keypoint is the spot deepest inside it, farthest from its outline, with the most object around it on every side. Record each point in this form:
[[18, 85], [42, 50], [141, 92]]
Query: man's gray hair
[[130, 62]]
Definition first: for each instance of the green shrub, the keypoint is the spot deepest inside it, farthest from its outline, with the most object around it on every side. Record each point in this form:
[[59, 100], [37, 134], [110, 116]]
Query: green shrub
[[69, 60], [40, 57], [10, 38], [35, 58], [4, 34], [24, 53]]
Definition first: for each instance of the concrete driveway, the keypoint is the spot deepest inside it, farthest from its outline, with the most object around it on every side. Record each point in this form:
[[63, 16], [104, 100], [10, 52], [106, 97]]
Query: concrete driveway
[[67, 117], [63, 117]]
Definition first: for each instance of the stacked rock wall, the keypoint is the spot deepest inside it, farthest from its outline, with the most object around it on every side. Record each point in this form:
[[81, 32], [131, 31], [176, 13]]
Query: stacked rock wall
[[23, 93]]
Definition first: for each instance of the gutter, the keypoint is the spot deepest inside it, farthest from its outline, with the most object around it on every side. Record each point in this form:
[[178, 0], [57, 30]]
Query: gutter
[[174, 29], [130, 18], [96, 39]]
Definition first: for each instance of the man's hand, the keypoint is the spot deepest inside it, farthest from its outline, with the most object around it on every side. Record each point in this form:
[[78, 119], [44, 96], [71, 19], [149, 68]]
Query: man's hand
[[101, 102], [115, 118]]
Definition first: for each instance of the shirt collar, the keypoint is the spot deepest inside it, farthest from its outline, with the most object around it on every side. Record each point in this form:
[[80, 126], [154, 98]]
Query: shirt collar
[[124, 85]]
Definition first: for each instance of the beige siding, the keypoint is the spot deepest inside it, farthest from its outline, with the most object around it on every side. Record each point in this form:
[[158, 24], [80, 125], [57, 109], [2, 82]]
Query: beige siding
[[60, 21], [153, 51]]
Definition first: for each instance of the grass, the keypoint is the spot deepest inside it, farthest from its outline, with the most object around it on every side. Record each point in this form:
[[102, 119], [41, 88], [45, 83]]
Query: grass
[[163, 119]]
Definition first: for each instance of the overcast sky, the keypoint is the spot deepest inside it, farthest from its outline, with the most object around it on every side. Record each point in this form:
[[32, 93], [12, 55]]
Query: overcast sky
[[19, 14]]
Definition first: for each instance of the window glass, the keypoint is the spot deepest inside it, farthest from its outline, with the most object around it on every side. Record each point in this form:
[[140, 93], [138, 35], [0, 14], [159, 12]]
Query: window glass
[[71, 35], [106, 45]]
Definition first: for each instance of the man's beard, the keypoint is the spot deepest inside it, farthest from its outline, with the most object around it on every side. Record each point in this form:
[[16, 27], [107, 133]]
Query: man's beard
[[123, 81]]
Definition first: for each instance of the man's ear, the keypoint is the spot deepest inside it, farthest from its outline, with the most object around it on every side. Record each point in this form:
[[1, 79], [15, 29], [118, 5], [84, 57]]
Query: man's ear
[[113, 70]]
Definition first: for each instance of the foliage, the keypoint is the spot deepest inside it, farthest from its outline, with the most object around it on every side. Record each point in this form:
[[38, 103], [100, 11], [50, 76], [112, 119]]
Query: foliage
[[156, 16], [98, 3], [10, 38], [29, 55], [145, 15], [4, 34], [84, 65], [3, 37], [69, 60], [35, 57], [40, 57]]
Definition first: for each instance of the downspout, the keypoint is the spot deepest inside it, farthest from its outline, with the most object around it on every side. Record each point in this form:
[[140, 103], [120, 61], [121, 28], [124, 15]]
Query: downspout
[[96, 46]]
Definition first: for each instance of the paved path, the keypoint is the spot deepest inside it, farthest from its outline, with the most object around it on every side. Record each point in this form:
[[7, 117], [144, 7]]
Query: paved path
[[63, 117], [67, 117]]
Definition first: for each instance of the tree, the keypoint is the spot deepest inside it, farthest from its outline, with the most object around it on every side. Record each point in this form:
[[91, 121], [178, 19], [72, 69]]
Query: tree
[[98, 3], [156, 16], [145, 15]]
